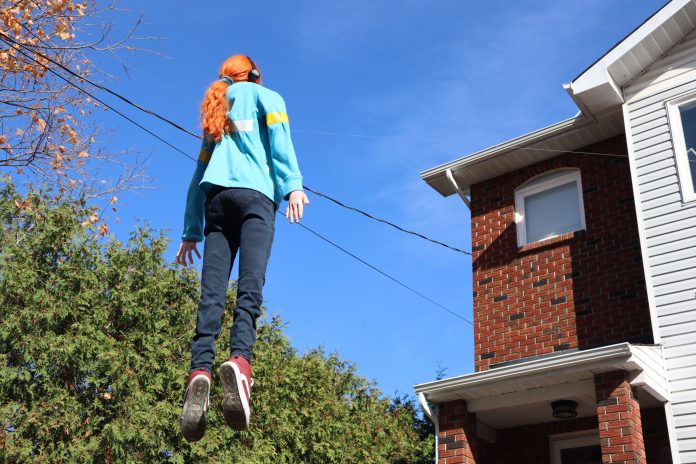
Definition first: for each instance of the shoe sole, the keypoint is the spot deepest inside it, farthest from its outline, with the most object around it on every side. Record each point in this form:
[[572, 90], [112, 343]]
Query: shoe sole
[[236, 416], [193, 418]]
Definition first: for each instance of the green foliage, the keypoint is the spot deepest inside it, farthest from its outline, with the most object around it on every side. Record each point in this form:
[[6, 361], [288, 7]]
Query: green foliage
[[94, 351]]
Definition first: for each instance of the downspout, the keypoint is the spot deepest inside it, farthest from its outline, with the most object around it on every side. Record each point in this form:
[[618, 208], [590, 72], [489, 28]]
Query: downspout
[[450, 177], [432, 415]]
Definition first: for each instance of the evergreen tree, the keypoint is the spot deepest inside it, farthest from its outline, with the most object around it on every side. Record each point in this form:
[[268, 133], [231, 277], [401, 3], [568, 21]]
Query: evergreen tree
[[94, 351]]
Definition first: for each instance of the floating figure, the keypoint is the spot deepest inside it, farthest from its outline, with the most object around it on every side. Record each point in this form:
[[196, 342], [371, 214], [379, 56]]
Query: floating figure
[[246, 168]]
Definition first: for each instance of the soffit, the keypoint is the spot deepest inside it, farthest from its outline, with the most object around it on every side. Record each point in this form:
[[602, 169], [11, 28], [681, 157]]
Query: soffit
[[568, 135], [644, 361], [600, 86]]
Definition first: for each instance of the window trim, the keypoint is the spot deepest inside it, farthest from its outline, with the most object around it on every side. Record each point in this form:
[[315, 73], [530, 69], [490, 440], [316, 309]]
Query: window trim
[[679, 146], [562, 441], [563, 176]]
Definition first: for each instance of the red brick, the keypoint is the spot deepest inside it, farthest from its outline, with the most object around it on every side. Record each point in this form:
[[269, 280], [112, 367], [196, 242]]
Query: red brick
[[605, 258]]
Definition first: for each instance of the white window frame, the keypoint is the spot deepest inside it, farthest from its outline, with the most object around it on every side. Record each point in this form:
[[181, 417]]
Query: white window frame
[[562, 177], [679, 146], [558, 443]]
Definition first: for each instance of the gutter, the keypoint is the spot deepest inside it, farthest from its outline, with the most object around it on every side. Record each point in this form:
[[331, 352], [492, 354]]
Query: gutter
[[622, 356], [576, 122], [432, 415]]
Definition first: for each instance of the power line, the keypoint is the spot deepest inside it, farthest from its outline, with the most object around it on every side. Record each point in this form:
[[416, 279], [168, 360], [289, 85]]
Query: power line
[[301, 225], [69, 82], [128, 101], [376, 269], [572, 152], [384, 221], [328, 197], [96, 84]]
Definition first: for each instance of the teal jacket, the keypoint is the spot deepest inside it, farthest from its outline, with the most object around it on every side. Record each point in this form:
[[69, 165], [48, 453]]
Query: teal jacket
[[257, 154]]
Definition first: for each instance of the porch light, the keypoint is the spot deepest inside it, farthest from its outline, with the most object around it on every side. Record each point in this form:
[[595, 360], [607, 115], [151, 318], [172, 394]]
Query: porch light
[[564, 409]]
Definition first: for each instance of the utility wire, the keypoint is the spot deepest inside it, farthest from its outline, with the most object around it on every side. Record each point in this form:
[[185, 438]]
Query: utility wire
[[69, 82], [96, 84], [5, 38], [573, 152], [183, 129], [376, 269], [384, 221], [337, 202], [301, 225]]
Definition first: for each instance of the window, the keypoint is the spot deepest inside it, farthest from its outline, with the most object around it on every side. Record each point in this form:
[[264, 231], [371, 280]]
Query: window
[[548, 206], [576, 448], [682, 119]]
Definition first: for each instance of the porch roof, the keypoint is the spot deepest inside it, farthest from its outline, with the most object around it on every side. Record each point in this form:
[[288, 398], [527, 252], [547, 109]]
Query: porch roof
[[521, 393]]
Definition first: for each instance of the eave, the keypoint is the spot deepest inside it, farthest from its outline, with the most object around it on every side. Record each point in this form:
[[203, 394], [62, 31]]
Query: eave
[[642, 361]]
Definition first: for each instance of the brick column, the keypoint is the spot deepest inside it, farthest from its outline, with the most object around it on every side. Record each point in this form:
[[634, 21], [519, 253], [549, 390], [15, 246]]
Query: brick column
[[457, 440], [618, 414]]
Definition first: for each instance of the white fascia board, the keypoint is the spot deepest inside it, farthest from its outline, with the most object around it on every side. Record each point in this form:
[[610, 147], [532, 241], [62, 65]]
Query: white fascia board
[[623, 356], [597, 74], [502, 148], [526, 368]]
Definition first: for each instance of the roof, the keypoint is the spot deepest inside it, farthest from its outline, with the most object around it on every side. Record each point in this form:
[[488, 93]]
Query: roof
[[512, 395], [568, 135], [599, 86], [596, 91]]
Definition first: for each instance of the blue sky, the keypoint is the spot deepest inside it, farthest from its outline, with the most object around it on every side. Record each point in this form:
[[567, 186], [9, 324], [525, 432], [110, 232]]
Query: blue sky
[[408, 85]]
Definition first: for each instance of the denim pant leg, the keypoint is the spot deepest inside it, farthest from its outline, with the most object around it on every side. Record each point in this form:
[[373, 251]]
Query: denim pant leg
[[218, 257], [257, 227]]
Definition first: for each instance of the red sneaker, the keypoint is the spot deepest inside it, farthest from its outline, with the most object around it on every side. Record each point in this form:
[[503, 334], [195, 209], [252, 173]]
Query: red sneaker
[[196, 399], [235, 378]]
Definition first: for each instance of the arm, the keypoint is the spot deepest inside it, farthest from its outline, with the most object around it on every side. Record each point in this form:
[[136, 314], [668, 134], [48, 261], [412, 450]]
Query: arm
[[195, 198], [283, 155], [284, 159]]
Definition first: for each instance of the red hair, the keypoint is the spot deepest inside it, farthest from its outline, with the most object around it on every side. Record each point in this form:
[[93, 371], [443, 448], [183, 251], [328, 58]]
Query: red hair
[[214, 107]]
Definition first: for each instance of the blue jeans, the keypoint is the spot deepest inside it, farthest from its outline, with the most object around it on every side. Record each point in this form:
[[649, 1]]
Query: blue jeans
[[236, 219]]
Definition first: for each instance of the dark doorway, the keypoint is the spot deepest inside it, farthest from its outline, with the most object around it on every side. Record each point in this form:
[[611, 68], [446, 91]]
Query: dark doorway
[[582, 455]]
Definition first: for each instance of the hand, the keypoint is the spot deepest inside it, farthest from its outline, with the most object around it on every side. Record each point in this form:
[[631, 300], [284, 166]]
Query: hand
[[186, 248], [296, 204]]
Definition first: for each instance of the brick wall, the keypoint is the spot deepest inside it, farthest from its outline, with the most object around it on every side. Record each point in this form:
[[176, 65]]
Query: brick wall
[[619, 418], [457, 439], [530, 444], [580, 290]]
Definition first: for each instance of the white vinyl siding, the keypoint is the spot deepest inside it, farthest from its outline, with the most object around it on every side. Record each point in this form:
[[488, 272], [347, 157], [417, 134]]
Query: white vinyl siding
[[668, 221]]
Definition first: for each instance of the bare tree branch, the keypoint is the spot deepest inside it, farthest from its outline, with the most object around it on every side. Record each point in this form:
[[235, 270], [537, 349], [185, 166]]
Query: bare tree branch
[[47, 129]]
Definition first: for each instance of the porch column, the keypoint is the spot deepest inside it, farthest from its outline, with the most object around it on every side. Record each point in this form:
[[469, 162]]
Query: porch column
[[618, 414], [457, 440]]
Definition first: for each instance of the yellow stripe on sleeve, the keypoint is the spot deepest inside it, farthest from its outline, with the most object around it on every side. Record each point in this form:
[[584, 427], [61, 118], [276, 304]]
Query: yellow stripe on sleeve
[[274, 118], [204, 156]]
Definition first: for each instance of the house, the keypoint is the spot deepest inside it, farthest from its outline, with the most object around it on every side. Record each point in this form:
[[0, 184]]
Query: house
[[584, 269]]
